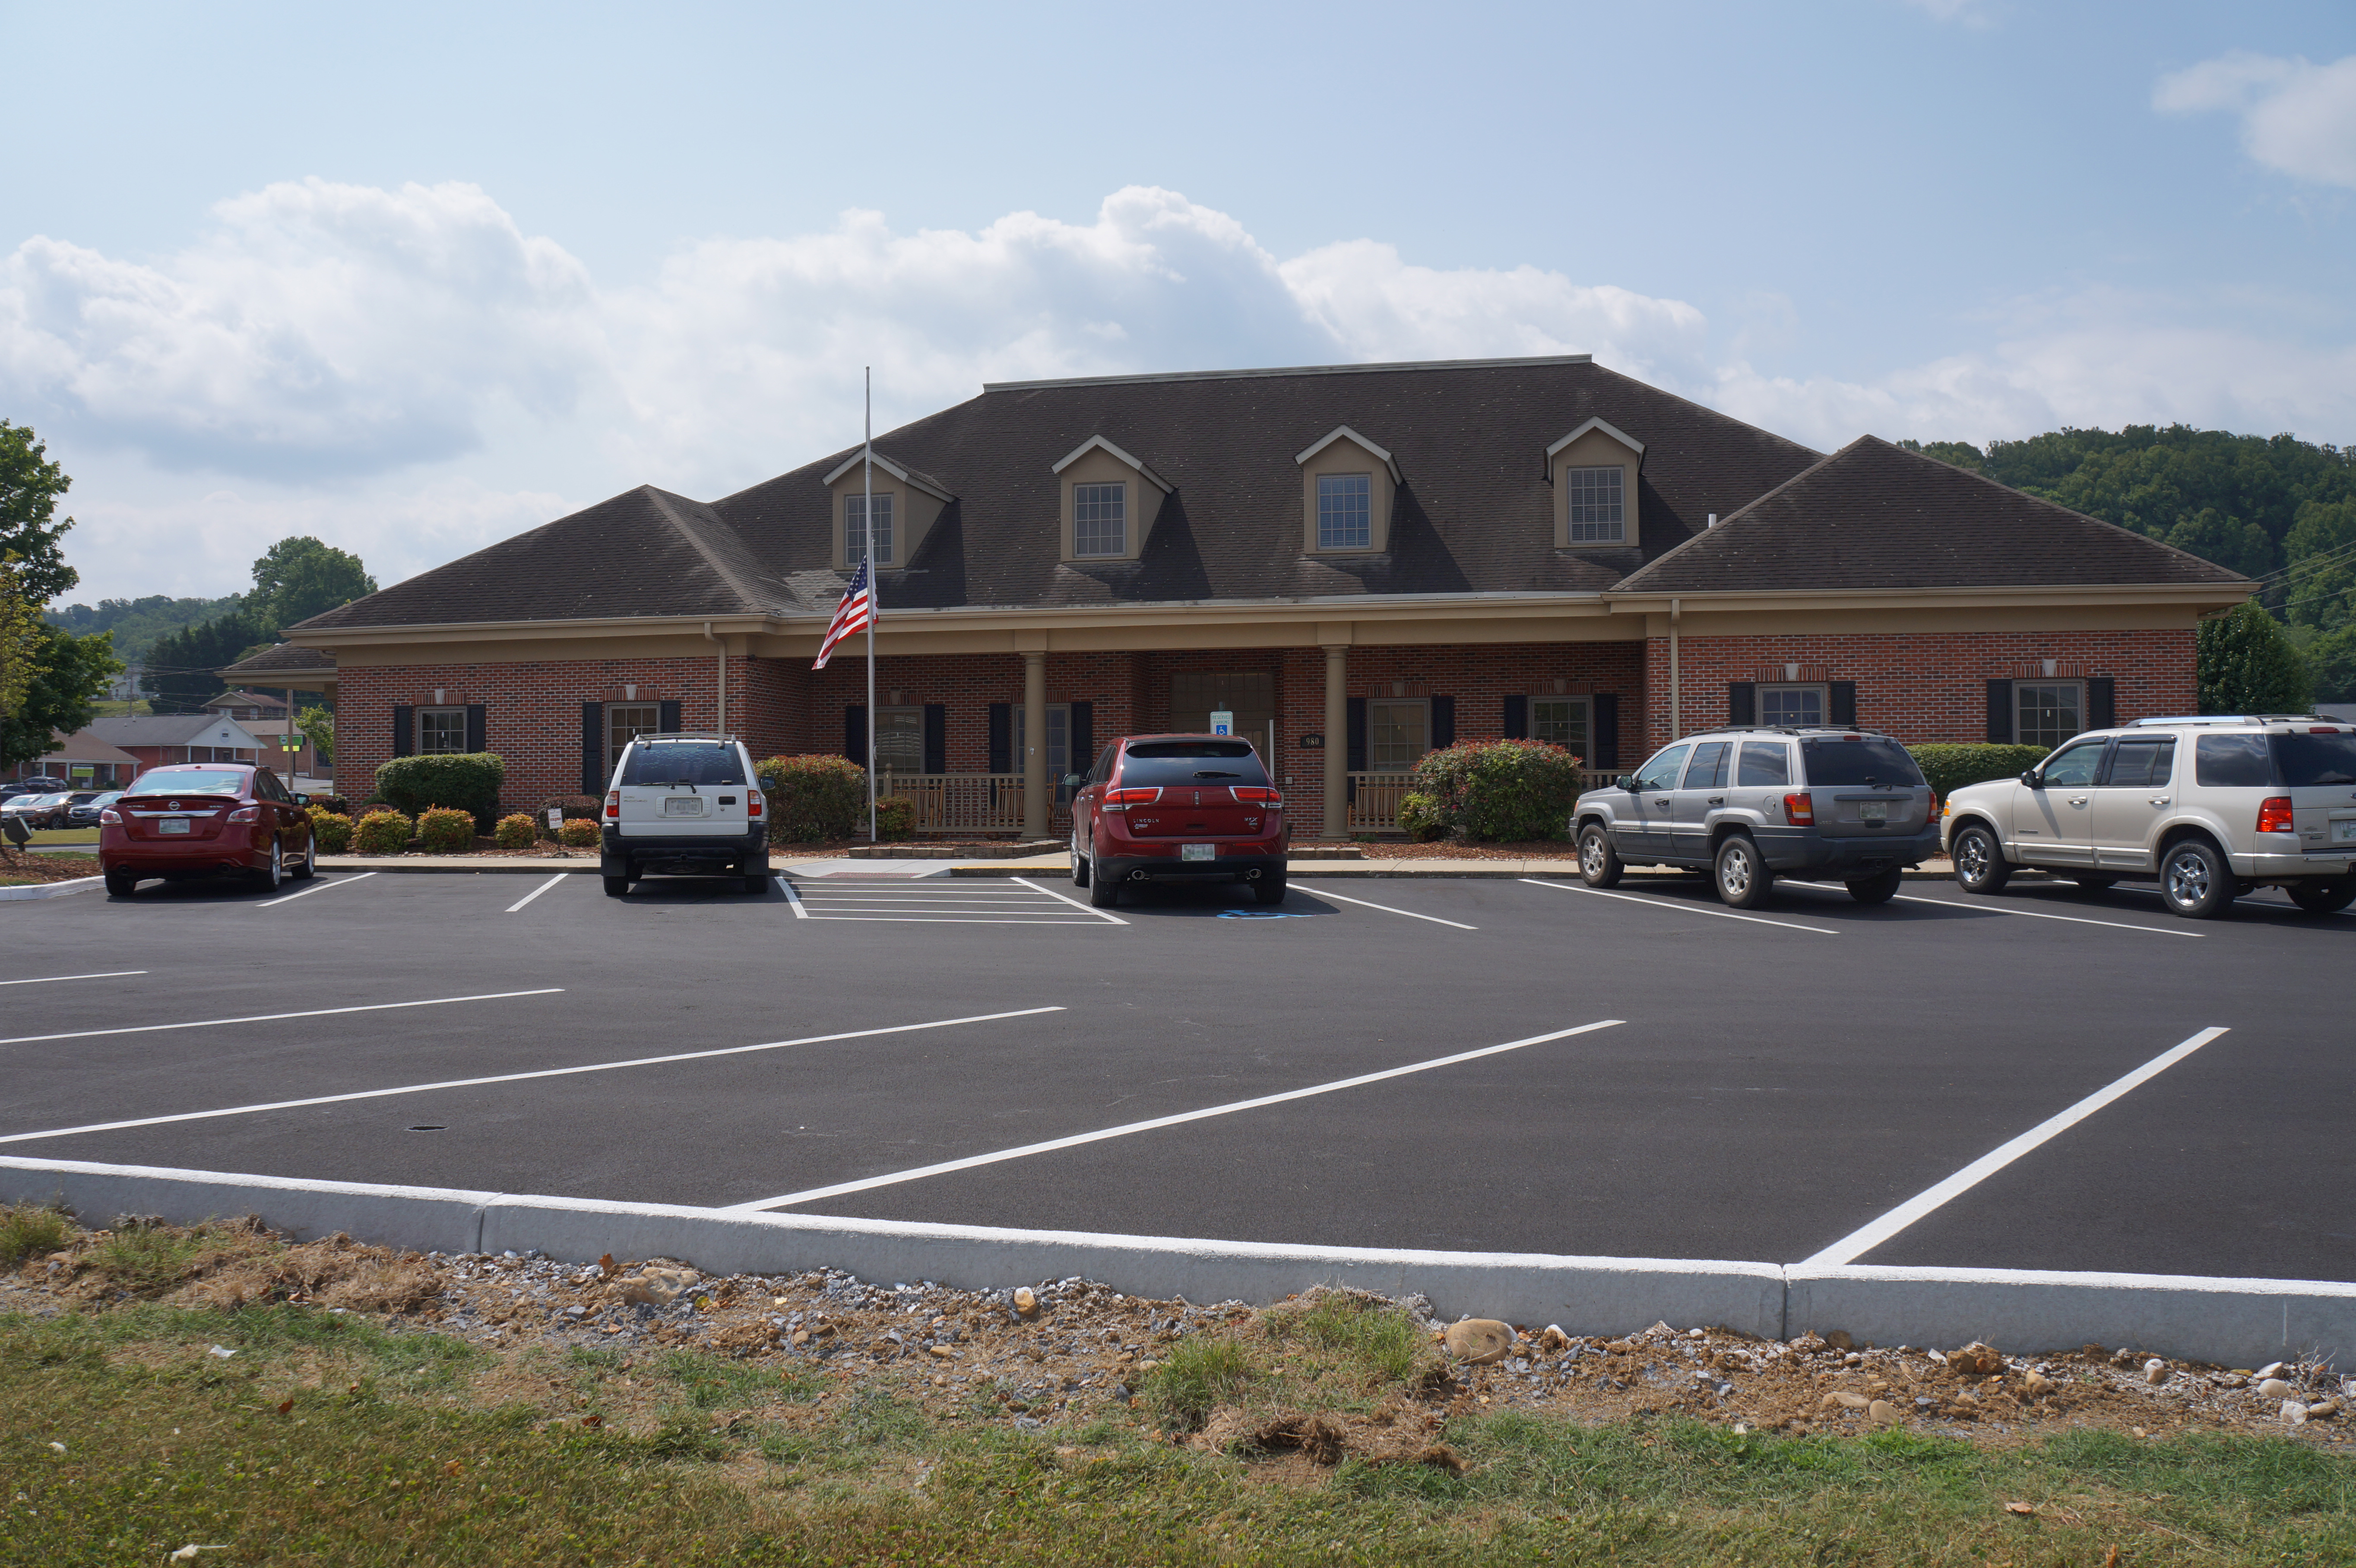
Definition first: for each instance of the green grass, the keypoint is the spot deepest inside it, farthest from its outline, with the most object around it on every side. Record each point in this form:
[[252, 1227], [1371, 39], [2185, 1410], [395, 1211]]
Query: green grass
[[31, 1230], [389, 1450], [64, 836]]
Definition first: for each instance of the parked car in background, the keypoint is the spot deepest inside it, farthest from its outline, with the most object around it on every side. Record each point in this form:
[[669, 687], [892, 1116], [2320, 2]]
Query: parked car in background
[[83, 812], [1751, 804], [37, 811], [204, 819], [1181, 807], [2209, 807], [32, 786]]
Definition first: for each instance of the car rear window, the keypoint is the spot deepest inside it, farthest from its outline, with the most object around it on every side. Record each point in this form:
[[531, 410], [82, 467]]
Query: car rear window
[[1166, 764], [1865, 760], [2310, 760], [2233, 761], [195, 782], [683, 761]]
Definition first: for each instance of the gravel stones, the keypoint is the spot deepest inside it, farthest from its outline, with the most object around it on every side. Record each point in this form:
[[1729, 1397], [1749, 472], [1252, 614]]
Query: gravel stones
[[1026, 1302], [1881, 1413], [2155, 1371], [1479, 1342], [1977, 1360]]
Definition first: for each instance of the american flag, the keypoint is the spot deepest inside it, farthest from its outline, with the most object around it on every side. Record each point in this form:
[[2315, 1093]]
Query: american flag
[[852, 615]]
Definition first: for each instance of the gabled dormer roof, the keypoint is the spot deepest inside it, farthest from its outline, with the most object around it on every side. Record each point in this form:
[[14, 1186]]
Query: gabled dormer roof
[[908, 477], [1630, 441], [1098, 444], [1344, 433]]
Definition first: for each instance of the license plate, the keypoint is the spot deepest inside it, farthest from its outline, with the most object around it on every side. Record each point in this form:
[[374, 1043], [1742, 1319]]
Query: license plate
[[173, 824], [1198, 851], [676, 807], [2344, 831], [1874, 811]]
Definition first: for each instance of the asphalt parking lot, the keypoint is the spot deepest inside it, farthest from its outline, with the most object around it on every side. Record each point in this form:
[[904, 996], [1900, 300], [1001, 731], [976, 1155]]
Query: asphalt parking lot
[[1506, 1066]]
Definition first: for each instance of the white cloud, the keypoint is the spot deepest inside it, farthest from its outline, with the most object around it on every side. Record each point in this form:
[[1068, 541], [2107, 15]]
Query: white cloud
[[2297, 117], [1971, 13]]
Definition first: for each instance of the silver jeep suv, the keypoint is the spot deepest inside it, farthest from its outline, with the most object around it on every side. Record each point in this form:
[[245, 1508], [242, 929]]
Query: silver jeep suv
[[687, 805], [2210, 807], [1750, 804]]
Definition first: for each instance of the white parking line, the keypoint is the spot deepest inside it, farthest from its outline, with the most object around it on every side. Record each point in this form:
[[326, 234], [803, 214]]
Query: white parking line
[[50, 979], [1083, 909], [1329, 893], [1681, 908], [1857, 1244], [969, 1163], [518, 1077], [273, 1017], [536, 893], [794, 899], [2040, 914], [321, 888]]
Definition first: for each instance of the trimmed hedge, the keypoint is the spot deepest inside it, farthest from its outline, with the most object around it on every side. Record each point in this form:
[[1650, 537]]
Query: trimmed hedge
[[813, 798], [382, 833], [331, 830], [469, 781], [581, 833], [895, 817], [516, 832], [334, 803], [1948, 768], [1512, 791], [445, 830]]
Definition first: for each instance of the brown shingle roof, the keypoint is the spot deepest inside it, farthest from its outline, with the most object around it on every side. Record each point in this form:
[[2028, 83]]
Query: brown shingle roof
[[1874, 516], [280, 658]]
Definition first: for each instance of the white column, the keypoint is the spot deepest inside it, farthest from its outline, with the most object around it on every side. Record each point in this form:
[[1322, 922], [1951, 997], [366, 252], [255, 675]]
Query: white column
[[1034, 745], [1337, 742]]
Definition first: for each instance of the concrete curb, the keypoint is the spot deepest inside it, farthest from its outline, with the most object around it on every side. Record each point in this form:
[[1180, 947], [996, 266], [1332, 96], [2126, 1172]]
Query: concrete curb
[[53, 890], [2232, 1322]]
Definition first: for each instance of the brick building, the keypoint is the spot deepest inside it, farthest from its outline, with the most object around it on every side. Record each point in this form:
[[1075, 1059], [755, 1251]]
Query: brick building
[[1357, 563]]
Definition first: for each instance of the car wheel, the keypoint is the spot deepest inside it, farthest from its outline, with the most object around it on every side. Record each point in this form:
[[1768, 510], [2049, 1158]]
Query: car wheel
[[121, 884], [1742, 877], [1080, 863], [1269, 889], [309, 865], [2320, 897], [272, 878], [2094, 884], [2195, 881], [1980, 865], [1598, 863], [617, 886], [1877, 890], [1103, 894]]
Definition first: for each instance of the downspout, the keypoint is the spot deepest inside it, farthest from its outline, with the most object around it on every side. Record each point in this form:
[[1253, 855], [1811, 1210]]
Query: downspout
[[1677, 706], [721, 727]]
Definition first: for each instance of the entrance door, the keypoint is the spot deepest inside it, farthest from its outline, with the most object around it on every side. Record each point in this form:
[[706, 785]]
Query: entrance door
[[1195, 694]]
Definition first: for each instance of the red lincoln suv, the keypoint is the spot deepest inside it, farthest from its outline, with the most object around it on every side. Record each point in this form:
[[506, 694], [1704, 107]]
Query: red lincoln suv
[[1177, 805]]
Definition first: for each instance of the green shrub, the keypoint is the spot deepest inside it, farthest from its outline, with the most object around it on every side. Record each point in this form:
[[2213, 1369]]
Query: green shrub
[[28, 1230], [814, 797], [1948, 768], [382, 833], [445, 830], [469, 781], [895, 817], [1419, 817], [580, 832], [517, 832], [334, 803], [1498, 790], [569, 806], [333, 830]]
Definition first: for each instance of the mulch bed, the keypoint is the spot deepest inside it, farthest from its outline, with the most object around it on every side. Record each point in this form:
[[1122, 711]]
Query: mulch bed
[[17, 867], [1449, 849]]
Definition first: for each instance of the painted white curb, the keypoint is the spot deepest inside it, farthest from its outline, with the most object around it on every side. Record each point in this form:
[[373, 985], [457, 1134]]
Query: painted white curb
[[53, 890]]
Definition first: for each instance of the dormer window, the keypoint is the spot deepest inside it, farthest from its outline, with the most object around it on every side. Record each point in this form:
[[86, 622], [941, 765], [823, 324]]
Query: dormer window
[[1345, 511], [1111, 501], [854, 527], [1347, 486], [1100, 519], [907, 504], [1594, 471], [1598, 508]]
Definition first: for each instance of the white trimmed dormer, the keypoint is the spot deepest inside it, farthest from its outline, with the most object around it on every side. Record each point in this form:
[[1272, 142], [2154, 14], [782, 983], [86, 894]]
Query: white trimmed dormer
[[1594, 471], [908, 505], [1347, 486], [1109, 502]]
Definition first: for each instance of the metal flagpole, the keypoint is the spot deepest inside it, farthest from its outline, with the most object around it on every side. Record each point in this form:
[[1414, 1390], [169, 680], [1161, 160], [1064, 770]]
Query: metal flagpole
[[867, 549]]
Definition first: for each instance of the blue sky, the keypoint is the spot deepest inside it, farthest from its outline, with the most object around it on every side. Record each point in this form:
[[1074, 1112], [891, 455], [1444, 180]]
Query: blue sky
[[413, 278]]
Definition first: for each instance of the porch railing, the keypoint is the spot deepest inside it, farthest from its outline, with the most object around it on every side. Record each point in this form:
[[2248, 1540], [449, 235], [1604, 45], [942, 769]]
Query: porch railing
[[967, 805]]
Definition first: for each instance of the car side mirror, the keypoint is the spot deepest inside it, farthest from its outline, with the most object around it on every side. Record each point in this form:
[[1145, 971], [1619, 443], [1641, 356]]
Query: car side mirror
[[1627, 782], [1074, 780], [2032, 780], [301, 800]]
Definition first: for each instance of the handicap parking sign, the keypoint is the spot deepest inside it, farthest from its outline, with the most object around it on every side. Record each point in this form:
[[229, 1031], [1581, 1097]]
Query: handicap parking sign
[[1222, 722]]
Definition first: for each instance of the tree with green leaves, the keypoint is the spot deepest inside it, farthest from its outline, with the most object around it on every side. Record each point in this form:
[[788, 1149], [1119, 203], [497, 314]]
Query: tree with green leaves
[[56, 678], [300, 577], [68, 672], [21, 643], [2247, 665], [319, 727], [29, 487], [179, 678]]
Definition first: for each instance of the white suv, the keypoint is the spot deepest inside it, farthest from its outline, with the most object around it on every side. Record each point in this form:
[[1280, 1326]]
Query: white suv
[[688, 806], [2212, 807]]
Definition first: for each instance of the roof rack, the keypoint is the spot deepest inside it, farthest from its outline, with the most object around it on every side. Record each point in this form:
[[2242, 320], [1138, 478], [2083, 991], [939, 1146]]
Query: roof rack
[[2229, 718], [716, 739]]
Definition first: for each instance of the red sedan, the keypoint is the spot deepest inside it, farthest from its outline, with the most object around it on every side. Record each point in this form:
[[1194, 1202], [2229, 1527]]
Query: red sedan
[[199, 819], [1181, 807]]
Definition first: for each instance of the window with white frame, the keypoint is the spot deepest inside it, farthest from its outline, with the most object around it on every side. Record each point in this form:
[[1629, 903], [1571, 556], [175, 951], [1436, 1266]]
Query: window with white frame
[[1597, 502], [1346, 514], [899, 740], [2048, 712], [1560, 721], [625, 722], [1397, 734], [441, 729], [854, 528], [1100, 519], [1798, 706]]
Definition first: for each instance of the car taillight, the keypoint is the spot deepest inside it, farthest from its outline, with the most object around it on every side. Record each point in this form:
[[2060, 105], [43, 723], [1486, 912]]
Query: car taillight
[[1800, 810], [614, 803], [753, 803], [1253, 792], [2273, 814], [1132, 797], [246, 814], [111, 814]]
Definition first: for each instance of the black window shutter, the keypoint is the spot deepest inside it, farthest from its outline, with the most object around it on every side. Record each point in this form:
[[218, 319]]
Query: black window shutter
[[1355, 759], [936, 737], [1741, 702], [1841, 711], [1517, 725], [1001, 737], [593, 748], [667, 717], [1999, 715], [2101, 702], [478, 728], [1603, 729], [404, 731], [1084, 738], [854, 732], [1443, 723]]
